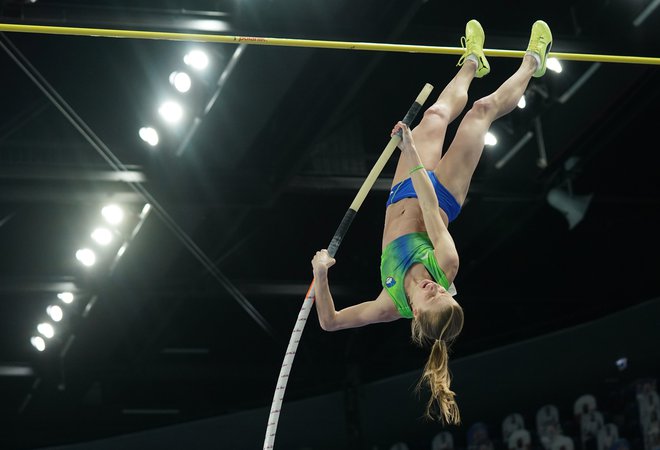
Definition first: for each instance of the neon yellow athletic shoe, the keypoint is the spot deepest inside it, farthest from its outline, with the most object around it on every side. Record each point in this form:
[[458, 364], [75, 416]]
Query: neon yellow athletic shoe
[[540, 43], [473, 43]]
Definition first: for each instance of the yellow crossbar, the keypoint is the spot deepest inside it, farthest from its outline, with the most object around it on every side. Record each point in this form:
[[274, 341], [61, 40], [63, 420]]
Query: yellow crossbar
[[309, 43]]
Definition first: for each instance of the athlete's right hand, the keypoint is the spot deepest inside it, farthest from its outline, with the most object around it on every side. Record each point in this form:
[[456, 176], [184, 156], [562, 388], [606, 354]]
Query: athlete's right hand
[[322, 261]]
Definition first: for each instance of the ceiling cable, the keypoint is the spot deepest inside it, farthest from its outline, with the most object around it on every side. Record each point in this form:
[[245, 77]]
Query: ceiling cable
[[118, 166]]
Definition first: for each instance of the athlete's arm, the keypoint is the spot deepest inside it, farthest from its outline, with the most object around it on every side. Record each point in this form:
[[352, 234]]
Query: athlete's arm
[[379, 310], [445, 249]]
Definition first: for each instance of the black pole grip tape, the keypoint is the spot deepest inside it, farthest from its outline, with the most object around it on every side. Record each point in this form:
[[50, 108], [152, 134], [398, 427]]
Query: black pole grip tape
[[412, 113], [350, 214], [341, 231]]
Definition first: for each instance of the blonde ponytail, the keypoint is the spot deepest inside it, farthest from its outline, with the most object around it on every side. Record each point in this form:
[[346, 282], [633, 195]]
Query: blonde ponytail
[[442, 404], [439, 328]]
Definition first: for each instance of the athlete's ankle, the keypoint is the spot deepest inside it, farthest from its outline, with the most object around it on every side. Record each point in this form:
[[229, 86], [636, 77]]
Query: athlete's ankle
[[535, 58], [472, 58]]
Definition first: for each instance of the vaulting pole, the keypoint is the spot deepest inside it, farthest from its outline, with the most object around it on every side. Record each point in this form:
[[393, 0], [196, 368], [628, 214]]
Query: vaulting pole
[[278, 397], [308, 43]]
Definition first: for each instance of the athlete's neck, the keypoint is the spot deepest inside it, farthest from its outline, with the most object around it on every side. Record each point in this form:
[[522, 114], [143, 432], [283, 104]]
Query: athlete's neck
[[415, 274]]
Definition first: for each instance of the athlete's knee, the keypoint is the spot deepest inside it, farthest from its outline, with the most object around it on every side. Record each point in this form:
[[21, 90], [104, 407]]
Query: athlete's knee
[[483, 108], [438, 113], [435, 121]]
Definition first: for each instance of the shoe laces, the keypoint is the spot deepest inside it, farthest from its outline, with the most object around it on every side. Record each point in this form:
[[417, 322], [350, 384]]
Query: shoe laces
[[540, 40], [469, 50], [466, 53]]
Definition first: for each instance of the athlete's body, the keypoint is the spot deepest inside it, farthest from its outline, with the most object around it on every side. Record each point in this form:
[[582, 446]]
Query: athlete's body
[[420, 260]]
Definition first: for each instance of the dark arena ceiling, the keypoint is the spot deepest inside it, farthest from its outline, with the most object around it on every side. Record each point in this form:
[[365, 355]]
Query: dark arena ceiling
[[194, 316]]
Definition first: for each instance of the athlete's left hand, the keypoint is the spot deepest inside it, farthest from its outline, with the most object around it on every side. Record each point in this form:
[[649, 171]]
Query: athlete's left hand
[[407, 142]]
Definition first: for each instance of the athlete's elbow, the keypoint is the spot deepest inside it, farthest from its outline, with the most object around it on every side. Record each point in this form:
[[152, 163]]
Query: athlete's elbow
[[450, 265], [328, 323], [327, 326]]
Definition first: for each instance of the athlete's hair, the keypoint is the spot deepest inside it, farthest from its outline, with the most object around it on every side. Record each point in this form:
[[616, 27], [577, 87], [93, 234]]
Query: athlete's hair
[[440, 329]]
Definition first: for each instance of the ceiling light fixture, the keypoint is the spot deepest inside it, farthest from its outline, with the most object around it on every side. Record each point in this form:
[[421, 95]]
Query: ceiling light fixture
[[196, 59], [113, 214], [102, 236], [66, 297], [55, 313], [490, 139], [171, 111], [38, 343], [181, 81], [46, 330], [149, 135], [554, 65], [86, 257], [572, 207]]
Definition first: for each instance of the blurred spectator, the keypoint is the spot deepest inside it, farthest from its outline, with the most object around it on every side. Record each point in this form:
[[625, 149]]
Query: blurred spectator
[[547, 422], [519, 440], [648, 404], [607, 436], [478, 437], [511, 423], [590, 425], [443, 441]]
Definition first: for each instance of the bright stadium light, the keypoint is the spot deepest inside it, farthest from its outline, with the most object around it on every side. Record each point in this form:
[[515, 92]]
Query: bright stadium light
[[149, 135], [181, 81], [66, 297], [86, 257], [46, 330], [102, 236], [171, 111], [554, 65], [490, 139], [522, 102], [55, 313], [113, 214], [38, 343], [197, 59]]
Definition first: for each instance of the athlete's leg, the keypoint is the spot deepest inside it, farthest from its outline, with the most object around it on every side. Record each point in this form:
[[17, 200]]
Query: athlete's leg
[[456, 168], [429, 135]]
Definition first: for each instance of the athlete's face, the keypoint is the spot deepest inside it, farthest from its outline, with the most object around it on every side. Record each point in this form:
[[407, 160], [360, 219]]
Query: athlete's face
[[428, 295]]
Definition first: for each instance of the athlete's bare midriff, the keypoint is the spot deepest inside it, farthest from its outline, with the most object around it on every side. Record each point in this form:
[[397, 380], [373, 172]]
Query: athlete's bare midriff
[[404, 217]]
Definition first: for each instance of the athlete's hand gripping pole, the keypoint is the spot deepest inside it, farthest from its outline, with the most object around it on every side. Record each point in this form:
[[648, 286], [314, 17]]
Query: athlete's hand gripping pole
[[278, 397]]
